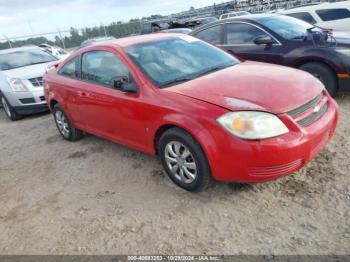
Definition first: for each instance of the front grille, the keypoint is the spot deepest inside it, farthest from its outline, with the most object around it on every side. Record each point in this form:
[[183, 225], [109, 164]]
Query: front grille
[[37, 81], [27, 100], [306, 114], [313, 117], [307, 106], [277, 170]]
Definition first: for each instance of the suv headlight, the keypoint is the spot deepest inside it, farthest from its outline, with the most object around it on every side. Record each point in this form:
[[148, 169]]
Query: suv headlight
[[17, 85], [252, 125]]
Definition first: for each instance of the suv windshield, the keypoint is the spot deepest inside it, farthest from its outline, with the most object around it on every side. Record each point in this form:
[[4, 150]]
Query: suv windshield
[[288, 27], [21, 58], [179, 59]]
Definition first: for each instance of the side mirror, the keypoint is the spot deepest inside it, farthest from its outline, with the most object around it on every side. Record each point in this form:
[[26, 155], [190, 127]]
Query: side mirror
[[264, 40], [123, 84]]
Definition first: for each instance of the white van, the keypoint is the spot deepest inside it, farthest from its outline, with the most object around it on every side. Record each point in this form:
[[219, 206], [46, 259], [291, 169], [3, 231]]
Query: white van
[[334, 16]]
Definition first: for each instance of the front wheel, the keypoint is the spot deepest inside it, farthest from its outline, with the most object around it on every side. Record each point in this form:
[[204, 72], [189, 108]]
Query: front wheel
[[184, 160], [64, 126], [9, 111], [324, 74]]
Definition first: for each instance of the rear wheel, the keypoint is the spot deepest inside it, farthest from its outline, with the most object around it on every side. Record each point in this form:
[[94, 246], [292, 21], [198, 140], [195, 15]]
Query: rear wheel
[[324, 74], [184, 160], [64, 126], [9, 111]]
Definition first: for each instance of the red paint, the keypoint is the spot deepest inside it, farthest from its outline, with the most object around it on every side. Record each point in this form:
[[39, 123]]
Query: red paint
[[134, 119]]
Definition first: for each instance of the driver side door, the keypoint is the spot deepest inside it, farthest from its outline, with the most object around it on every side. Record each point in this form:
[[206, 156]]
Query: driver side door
[[239, 39], [106, 110]]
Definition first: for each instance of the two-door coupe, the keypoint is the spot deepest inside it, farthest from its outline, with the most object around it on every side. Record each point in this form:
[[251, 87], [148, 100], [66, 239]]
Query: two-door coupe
[[204, 113]]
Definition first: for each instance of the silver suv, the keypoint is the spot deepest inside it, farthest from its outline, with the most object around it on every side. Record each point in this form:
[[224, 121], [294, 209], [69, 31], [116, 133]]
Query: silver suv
[[21, 80]]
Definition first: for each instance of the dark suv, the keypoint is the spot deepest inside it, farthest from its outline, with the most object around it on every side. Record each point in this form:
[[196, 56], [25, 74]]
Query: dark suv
[[283, 40]]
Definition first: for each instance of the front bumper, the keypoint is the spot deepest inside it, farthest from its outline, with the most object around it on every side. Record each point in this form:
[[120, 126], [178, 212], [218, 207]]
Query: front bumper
[[31, 109], [25, 103], [233, 159]]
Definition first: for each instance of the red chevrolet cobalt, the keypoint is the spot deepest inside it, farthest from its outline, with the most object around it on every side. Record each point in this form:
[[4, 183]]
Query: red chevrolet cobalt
[[205, 114]]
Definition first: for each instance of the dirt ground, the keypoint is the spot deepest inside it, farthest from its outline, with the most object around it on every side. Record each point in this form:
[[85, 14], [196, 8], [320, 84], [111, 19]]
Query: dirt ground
[[97, 197]]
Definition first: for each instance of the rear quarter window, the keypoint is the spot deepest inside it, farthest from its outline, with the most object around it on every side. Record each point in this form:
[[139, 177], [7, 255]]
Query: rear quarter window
[[333, 14], [305, 16]]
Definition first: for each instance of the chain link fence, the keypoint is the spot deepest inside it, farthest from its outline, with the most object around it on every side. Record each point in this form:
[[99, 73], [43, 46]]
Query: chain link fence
[[73, 37]]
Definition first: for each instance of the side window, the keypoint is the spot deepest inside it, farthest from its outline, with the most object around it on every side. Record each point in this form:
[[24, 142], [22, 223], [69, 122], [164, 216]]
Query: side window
[[333, 14], [71, 68], [103, 68], [305, 16], [242, 34], [211, 35], [224, 16]]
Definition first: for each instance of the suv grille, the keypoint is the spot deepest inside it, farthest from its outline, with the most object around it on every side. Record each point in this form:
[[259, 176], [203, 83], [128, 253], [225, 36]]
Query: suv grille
[[310, 106], [37, 81]]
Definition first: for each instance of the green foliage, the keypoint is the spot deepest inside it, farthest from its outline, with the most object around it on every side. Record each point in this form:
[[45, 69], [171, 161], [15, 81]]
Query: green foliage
[[116, 29]]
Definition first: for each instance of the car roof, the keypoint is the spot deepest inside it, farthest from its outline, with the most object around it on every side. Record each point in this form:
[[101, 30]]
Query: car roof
[[23, 48], [253, 17], [139, 39], [311, 7]]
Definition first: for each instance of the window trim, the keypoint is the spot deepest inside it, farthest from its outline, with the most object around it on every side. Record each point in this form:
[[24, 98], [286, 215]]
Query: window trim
[[100, 84], [278, 43], [78, 68]]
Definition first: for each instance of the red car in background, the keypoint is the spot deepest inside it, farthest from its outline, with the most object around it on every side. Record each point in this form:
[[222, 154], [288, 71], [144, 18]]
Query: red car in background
[[204, 113]]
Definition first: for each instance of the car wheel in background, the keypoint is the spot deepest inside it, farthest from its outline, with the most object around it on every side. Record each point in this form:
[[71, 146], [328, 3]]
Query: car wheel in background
[[64, 126], [184, 160], [324, 74], [9, 111]]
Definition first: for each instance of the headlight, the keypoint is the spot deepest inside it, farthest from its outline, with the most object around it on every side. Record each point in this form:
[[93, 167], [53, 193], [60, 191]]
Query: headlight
[[17, 85], [253, 125]]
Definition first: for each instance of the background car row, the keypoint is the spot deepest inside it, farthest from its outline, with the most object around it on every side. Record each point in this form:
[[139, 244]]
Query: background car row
[[271, 38]]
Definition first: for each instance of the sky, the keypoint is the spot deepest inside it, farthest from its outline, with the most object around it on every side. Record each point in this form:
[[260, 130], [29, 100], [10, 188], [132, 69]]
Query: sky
[[26, 17]]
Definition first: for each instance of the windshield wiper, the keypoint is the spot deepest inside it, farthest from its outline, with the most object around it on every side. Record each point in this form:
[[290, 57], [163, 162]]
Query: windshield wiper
[[176, 81], [213, 69], [193, 76]]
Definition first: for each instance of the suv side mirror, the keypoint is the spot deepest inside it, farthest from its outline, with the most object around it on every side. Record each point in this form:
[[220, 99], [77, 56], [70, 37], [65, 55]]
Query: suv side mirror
[[123, 84], [264, 40]]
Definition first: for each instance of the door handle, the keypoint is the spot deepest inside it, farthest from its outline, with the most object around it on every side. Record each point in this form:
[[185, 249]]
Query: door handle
[[82, 94]]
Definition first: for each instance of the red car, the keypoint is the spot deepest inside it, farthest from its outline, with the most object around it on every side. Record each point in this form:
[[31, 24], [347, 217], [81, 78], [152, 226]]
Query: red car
[[205, 114]]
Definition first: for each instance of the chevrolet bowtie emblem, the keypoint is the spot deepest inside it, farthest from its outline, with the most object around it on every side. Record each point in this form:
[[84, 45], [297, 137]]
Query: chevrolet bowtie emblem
[[316, 109]]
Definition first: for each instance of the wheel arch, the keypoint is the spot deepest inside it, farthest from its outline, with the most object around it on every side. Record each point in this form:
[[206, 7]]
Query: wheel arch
[[327, 63]]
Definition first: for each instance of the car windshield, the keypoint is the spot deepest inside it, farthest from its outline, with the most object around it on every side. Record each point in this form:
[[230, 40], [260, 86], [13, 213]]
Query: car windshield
[[179, 59], [21, 58], [288, 27]]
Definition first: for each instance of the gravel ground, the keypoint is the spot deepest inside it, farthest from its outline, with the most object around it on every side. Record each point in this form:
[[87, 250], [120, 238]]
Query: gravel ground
[[97, 197]]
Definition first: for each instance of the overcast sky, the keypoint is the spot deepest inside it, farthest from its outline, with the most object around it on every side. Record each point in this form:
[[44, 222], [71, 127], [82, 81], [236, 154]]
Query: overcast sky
[[25, 17]]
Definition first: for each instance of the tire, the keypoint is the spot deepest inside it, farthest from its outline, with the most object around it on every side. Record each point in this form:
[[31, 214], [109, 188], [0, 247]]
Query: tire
[[64, 126], [324, 74], [9, 111], [178, 148]]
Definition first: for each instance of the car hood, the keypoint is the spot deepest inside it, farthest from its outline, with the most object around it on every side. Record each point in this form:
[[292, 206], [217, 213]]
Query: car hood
[[253, 86], [27, 72]]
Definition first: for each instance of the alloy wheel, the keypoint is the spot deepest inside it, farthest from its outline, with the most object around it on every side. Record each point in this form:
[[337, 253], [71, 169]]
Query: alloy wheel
[[62, 123], [6, 106], [180, 162]]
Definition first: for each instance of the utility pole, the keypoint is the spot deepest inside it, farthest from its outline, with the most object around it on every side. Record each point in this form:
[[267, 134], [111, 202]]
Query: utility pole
[[8, 40], [62, 40], [104, 29]]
